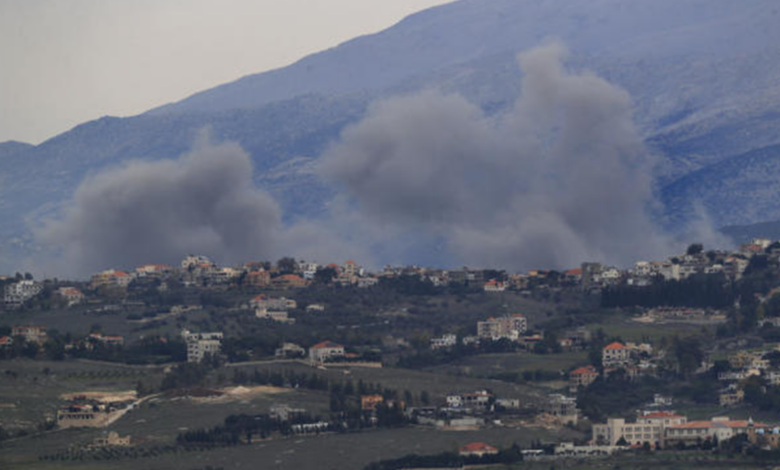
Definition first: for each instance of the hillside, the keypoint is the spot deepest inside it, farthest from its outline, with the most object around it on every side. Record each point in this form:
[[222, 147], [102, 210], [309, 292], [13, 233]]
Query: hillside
[[703, 80]]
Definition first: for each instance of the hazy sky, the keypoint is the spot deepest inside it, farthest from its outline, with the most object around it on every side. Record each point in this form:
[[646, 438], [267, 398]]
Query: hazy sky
[[63, 62]]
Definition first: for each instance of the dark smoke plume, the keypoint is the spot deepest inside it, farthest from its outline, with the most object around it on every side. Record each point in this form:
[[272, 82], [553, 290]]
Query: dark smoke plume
[[151, 212], [562, 178]]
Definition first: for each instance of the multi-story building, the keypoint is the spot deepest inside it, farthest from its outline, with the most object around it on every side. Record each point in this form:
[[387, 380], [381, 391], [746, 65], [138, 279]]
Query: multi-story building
[[325, 351], [615, 355], [563, 408], [650, 428], [287, 281], [271, 303], [730, 396], [582, 377], [720, 428], [153, 270], [765, 438], [258, 279], [494, 286], [591, 275], [480, 399], [33, 334], [280, 316], [444, 341], [17, 293], [111, 278], [509, 327], [71, 295], [192, 261], [6, 342], [201, 344]]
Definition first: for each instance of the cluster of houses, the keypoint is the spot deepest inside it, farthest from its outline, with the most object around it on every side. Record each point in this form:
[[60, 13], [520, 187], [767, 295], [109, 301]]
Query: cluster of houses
[[202, 345], [37, 334], [742, 366], [199, 270], [633, 359], [464, 410]]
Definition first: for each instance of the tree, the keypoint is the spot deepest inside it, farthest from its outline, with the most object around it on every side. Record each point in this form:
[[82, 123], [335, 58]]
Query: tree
[[688, 354], [324, 275], [286, 265]]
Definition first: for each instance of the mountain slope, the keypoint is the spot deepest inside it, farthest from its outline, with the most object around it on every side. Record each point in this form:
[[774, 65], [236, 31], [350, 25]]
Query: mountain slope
[[463, 31], [738, 190], [703, 75]]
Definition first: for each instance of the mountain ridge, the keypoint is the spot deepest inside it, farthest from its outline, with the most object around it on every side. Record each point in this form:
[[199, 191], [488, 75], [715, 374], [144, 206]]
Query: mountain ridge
[[712, 99]]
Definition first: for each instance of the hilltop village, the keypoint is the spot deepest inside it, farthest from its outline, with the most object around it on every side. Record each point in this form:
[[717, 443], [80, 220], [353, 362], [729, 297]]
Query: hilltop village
[[670, 359]]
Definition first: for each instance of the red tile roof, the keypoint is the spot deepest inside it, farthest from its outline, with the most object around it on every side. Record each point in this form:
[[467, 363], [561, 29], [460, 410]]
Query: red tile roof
[[717, 424], [5, 340], [615, 345], [584, 370], [326, 345], [478, 447]]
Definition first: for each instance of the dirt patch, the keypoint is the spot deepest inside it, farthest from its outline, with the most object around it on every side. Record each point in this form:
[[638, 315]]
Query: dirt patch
[[241, 393], [102, 397]]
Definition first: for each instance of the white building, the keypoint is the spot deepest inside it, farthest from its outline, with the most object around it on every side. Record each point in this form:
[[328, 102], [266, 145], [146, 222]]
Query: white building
[[72, 295], [275, 315], [445, 341], [721, 428], [324, 351], [650, 428], [494, 286], [478, 399], [200, 344], [18, 293], [192, 261], [509, 327], [615, 355]]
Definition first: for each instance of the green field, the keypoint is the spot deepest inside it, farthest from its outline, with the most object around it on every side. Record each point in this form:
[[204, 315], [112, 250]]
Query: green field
[[632, 331], [485, 365]]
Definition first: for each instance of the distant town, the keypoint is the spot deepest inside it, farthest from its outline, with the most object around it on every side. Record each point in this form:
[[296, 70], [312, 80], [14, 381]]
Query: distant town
[[670, 359]]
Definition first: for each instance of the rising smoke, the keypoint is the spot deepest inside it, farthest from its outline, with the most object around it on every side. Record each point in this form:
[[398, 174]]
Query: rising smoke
[[560, 179], [150, 212]]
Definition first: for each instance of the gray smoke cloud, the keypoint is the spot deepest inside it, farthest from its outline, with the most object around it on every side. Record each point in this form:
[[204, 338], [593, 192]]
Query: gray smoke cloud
[[429, 178], [151, 212], [562, 178]]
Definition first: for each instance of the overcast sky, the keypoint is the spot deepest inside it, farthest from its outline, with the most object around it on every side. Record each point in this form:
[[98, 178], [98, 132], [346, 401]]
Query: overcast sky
[[63, 62]]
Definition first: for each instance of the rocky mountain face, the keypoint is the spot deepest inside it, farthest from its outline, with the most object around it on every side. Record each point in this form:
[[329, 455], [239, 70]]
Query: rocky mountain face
[[703, 74]]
